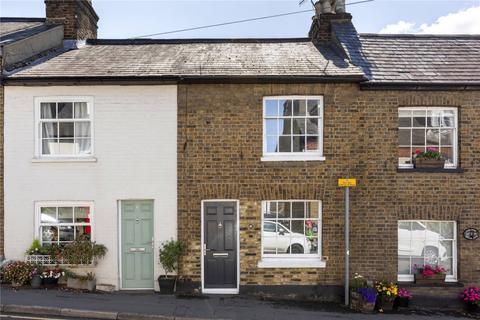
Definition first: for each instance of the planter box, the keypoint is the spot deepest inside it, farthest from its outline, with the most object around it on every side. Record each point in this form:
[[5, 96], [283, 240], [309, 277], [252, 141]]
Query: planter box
[[358, 304], [79, 284], [435, 279], [429, 164]]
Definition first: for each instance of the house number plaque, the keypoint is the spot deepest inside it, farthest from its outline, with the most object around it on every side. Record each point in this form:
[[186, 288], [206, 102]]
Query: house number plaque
[[471, 234]]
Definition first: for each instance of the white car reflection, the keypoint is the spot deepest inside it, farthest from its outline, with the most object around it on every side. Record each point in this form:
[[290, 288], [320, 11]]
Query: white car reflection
[[278, 237], [424, 243]]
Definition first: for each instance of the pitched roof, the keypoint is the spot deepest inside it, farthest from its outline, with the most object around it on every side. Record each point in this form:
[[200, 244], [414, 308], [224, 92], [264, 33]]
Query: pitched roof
[[404, 59], [14, 29], [197, 58]]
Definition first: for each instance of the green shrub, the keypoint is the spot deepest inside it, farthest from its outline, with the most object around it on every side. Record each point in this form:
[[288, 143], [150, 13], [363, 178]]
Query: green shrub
[[82, 252], [170, 254]]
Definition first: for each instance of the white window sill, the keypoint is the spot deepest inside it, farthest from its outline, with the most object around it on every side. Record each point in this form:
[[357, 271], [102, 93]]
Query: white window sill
[[292, 263], [293, 157], [89, 159], [411, 278]]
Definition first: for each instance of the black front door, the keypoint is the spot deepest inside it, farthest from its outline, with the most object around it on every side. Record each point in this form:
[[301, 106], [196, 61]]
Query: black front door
[[220, 247]]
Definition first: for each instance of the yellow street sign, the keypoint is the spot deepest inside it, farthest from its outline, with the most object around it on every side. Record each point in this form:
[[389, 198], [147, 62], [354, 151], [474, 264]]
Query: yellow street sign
[[347, 182]]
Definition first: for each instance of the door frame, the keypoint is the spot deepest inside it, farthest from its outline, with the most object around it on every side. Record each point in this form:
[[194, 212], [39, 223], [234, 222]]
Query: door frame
[[120, 255], [220, 290]]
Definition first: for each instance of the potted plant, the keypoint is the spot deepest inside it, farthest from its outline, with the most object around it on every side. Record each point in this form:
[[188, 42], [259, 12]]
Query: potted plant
[[170, 254], [36, 280], [387, 292], [18, 273], [430, 275], [403, 298], [82, 282], [50, 277], [362, 295], [471, 299], [431, 159]]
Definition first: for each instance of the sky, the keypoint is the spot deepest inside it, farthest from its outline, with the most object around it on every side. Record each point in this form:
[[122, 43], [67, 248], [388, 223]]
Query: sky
[[134, 18]]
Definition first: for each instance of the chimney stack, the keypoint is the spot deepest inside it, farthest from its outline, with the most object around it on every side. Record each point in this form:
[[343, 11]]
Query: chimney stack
[[326, 12], [78, 17]]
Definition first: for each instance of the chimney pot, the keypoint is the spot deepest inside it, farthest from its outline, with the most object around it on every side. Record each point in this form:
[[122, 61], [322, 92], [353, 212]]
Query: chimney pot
[[327, 11]]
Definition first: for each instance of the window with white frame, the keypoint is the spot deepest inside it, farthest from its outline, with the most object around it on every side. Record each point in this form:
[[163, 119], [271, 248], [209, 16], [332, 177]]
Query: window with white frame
[[61, 223], [64, 128], [426, 242], [293, 126], [291, 229], [420, 129]]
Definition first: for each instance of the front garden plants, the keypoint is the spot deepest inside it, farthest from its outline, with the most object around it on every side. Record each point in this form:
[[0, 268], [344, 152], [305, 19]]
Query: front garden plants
[[471, 299], [387, 293]]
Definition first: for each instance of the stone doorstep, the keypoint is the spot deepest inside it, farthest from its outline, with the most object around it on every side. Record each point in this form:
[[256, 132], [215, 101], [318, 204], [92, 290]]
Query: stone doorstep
[[87, 314]]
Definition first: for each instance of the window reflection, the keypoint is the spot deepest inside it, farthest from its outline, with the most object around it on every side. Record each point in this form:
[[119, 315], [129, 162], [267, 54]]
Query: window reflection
[[425, 242]]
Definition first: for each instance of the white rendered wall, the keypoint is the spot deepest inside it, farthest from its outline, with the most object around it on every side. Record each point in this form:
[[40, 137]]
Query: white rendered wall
[[135, 135]]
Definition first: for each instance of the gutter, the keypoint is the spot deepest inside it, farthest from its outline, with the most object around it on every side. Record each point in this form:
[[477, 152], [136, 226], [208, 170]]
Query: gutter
[[155, 80], [421, 86]]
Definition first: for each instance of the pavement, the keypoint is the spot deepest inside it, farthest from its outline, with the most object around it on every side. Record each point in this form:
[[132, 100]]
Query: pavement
[[59, 304]]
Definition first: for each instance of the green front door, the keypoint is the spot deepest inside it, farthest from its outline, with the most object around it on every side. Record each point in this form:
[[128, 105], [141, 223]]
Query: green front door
[[137, 244]]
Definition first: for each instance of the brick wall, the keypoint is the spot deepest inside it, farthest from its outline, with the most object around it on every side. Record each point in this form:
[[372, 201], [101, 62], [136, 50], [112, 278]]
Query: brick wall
[[219, 150], [77, 16]]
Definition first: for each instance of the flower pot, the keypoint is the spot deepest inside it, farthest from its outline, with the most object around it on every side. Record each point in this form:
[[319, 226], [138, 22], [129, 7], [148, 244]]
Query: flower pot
[[402, 302], [36, 282], [471, 307], [167, 284], [422, 163], [432, 280], [16, 284], [385, 303], [357, 303], [80, 284], [50, 282]]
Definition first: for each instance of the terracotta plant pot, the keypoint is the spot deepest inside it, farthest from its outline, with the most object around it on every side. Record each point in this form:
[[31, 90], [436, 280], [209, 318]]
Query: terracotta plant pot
[[167, 284], [36, 282], [437, 278], [429, 163]]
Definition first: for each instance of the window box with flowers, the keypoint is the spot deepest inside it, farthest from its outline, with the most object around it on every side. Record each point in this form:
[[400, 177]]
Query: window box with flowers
[[430, 275], [430, 159]]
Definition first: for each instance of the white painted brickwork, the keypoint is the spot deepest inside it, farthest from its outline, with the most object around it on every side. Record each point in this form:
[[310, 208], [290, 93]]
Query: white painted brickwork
[[136, 158]]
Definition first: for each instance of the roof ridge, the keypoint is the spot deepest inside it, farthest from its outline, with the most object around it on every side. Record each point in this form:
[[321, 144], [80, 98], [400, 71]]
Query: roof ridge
[[412, 35], [192, 40]]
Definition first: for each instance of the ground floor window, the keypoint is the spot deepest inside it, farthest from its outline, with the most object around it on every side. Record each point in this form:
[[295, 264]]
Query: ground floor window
[[291, 229], [426, 242], [62, 222]]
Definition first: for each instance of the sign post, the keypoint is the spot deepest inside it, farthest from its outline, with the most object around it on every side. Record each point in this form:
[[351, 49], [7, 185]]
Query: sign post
[[347, 183]]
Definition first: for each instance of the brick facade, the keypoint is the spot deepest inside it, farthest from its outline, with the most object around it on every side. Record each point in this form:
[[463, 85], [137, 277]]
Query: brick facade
[[219, 151], [77, 16]]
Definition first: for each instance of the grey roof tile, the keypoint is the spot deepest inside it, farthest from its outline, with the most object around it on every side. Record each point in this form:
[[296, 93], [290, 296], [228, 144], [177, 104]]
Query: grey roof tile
[[217, 58], [413, 58]]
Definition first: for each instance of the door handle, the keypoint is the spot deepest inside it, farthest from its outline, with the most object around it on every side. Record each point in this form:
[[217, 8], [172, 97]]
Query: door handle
[[222, 254]]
